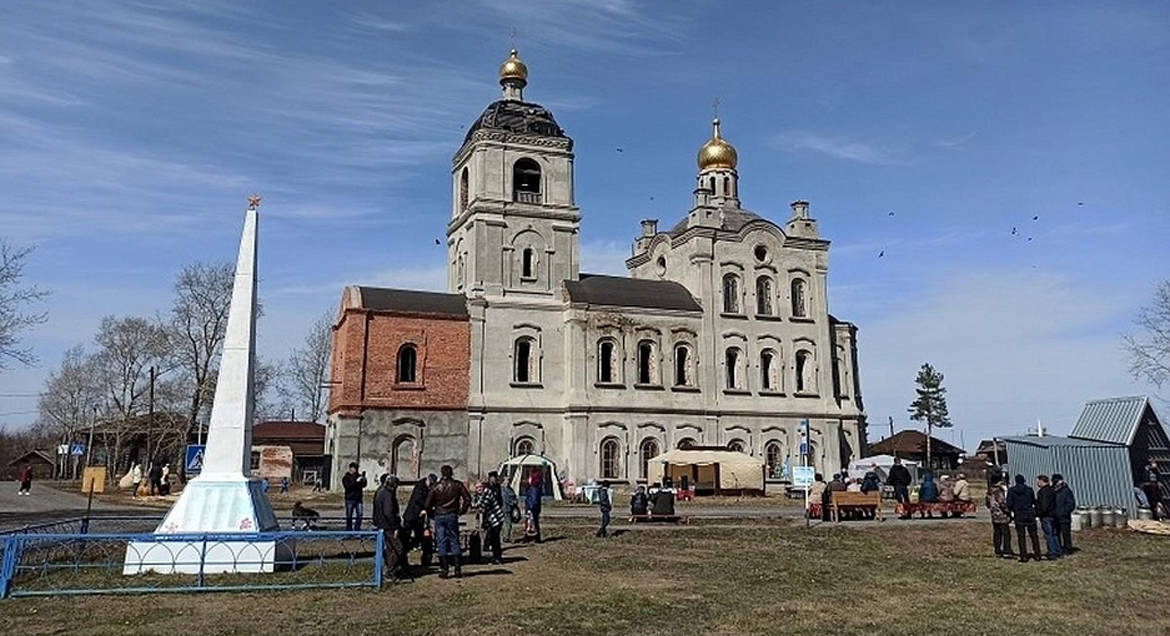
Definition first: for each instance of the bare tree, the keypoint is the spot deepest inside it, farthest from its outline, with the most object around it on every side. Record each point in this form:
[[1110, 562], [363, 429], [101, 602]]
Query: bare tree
[[271, 400], [197, 327], [307, 369], [13, 299], [1149, 351], [67, 404], [127, 349]]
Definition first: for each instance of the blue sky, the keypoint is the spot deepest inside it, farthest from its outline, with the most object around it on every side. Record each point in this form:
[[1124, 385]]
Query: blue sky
[[132, 132]]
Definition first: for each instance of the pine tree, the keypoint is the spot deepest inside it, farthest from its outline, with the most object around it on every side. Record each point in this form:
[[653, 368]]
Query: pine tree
[[931, 404]]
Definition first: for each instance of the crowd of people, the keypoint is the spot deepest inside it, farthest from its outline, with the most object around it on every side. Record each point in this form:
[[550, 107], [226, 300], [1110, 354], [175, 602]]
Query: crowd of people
[[1052, 503], [431, 518]]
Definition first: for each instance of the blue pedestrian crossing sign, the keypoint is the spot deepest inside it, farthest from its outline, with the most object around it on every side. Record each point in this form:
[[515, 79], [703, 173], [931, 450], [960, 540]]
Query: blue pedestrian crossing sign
[[193, 465]]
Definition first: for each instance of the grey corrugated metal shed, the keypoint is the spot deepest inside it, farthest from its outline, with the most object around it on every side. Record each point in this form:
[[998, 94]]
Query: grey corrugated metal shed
[[1098, 472], [1113, 420]]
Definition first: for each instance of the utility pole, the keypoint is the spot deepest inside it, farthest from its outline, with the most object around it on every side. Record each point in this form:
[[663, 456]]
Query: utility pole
[[150, 418], [89, 445]]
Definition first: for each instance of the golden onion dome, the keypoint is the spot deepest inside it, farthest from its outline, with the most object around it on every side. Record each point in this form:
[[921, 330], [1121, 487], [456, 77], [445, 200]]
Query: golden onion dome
[[717, 153], [513, 69]]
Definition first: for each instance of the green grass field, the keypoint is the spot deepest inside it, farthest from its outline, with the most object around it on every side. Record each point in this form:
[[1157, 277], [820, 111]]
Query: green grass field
[[719, 578]]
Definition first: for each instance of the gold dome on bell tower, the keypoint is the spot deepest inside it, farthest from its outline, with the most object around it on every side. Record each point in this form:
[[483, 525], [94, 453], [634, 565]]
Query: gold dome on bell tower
[[513, 69], [717, 153]]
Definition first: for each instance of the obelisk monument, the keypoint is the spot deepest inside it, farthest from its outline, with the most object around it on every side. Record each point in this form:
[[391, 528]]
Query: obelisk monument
[[223, 499]]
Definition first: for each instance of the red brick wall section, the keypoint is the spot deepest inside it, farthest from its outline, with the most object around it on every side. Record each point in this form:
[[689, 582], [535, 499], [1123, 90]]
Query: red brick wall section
[[444, 358]]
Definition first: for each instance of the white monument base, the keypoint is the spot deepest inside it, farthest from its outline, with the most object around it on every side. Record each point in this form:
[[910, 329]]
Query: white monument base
[[208, 505]]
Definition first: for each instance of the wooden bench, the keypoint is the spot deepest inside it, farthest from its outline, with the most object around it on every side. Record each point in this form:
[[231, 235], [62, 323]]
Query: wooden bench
[[863, 500], [944, 508], [648, 518]]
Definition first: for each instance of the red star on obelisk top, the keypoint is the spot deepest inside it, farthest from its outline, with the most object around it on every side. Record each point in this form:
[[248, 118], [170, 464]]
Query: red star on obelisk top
[[254, 202]]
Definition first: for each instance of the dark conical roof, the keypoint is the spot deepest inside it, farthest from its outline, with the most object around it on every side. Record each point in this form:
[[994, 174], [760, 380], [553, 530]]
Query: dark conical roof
[[509, 115]]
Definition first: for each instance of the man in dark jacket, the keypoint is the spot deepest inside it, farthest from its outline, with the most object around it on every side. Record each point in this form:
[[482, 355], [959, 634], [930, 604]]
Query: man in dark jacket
[[385, 518], [1066, 503], [445, 503], [639, 503], [155, 476], [354, 484], [900, 479], [1046, 510], [1021, 501], [1151, 485], [414, 522], [605, 506]]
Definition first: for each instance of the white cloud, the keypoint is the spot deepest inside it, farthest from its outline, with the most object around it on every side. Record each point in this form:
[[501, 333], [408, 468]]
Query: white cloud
[[1014, 348], [838, 147]]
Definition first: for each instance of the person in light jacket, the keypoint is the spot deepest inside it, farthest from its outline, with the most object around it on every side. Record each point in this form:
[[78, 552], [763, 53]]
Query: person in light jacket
[[135, 480], [1001, 518]]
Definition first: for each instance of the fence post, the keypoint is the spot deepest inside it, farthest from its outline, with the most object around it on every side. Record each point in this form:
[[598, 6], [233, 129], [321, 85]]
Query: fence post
[[8, 566], [379, 546], [202, 559]]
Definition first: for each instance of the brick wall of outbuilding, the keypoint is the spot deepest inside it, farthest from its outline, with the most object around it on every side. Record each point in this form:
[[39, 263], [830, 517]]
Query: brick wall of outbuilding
[[365, 357]]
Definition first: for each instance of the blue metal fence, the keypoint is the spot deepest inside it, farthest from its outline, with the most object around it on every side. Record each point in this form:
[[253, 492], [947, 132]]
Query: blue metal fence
[[41, 562]]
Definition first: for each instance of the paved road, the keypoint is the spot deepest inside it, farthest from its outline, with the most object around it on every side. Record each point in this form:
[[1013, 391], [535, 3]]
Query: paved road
[[48, 504]]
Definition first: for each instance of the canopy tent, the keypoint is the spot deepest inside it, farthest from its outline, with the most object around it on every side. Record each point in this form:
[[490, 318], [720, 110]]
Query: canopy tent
[[881, 464], [716, 470], [516, 471]]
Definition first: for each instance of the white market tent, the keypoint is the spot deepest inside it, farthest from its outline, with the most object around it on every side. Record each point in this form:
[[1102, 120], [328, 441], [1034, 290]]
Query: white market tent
[[716, 470], [517, 470], [880, 464]]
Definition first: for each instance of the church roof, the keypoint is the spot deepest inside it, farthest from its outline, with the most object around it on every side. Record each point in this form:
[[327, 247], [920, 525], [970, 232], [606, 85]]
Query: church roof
[[406, 300], [509, 115], [733, 221], [620, 291]]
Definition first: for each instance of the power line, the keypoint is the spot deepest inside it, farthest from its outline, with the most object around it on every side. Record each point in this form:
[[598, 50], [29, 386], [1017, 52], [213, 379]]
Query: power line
[[18, 413]]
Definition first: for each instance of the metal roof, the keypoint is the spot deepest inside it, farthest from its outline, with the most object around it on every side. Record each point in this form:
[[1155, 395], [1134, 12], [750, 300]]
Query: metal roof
[[1113, 420], [406, 300], [620, 291], [1050, 441], [1098, 472]]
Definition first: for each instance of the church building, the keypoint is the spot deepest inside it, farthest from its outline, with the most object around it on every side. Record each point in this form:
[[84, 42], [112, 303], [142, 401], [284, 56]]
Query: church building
[[719, 336]]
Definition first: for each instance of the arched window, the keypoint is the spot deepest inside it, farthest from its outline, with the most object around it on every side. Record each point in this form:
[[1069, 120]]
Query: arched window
[[605, 361], [732, 362], [687, 442], [726, 186], [407, 363], [403, 458], [774, 460], [524, 360], [646, 451], [526, 181], [712, 188], [682, 365], [799, 308], [730, 294], [736, 446], [464, 183], [647, 363], [768, 370], [525, 446], [804, 383], [461, 277], [764, 296], [610, 458], [528, 263]]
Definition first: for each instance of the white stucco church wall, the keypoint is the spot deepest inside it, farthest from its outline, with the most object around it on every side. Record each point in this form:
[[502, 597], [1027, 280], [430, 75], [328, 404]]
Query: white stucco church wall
[[720, 335]]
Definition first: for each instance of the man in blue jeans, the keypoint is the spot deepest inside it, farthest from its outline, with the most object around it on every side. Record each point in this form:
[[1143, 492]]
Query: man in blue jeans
[[1046, 510], [354, 484], [446, 501]]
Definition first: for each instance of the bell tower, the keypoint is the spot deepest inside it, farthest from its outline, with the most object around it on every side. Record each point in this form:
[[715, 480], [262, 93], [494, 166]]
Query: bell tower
[[514, 227]]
